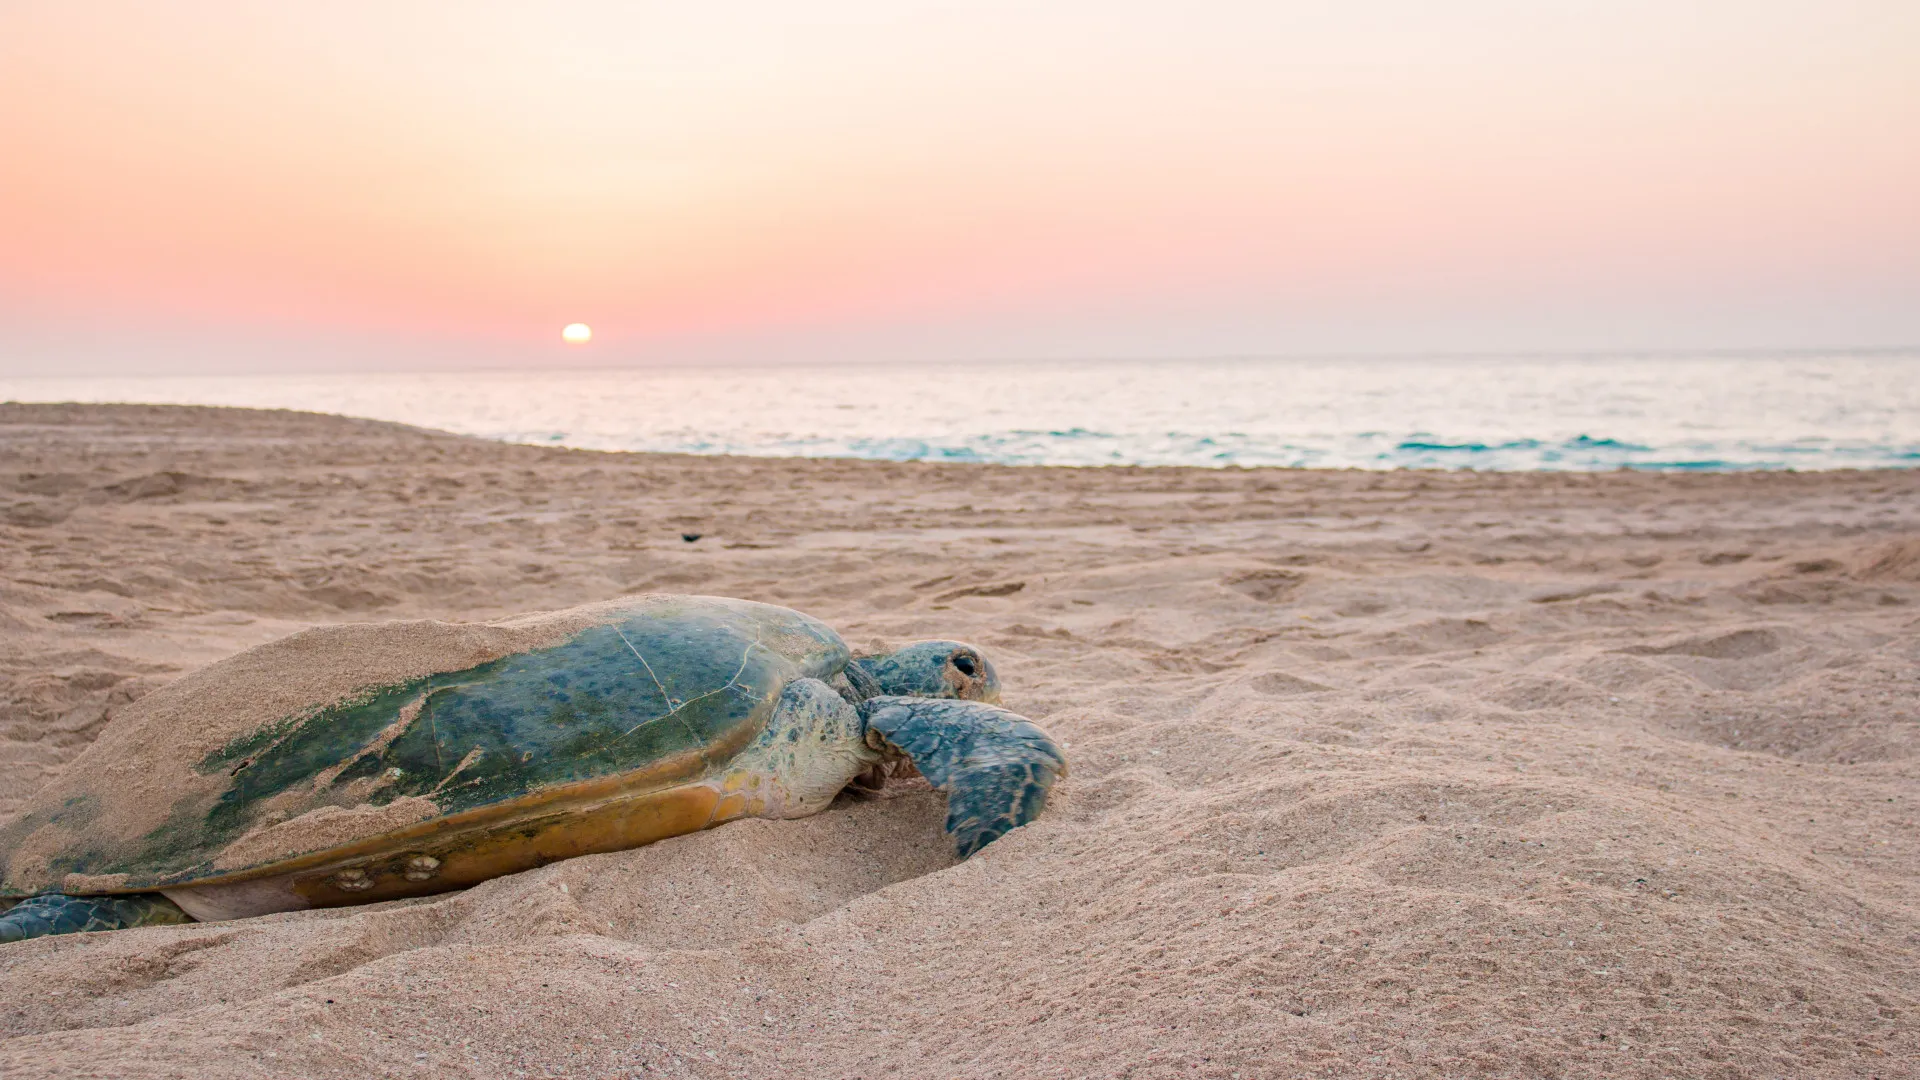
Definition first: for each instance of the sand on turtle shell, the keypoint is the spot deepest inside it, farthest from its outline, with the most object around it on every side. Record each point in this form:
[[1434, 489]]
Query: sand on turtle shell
[[322, 828], [143, 765], [1403, 774]]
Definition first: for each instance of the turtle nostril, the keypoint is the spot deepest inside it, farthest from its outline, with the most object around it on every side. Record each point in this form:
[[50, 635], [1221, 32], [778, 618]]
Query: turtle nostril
[[966, 665]]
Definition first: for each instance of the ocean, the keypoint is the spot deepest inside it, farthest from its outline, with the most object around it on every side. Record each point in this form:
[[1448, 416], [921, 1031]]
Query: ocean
[[1712, 413]]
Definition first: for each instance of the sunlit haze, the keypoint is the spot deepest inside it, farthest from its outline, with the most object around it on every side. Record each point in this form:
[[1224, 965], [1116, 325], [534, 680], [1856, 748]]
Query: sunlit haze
[[209, 186]]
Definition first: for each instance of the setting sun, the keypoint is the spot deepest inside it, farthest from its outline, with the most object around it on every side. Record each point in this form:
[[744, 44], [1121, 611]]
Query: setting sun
[[576, 333]]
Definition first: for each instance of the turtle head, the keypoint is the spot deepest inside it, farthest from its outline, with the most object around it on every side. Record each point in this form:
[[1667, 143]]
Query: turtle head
[[934, 669]]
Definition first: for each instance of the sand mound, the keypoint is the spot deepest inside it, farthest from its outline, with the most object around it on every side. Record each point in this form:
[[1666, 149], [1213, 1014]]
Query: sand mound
[[1897, 561], [1373, 775]]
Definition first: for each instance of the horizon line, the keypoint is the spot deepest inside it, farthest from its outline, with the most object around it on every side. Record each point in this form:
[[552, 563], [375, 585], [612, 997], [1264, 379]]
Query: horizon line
[[1643, 353]]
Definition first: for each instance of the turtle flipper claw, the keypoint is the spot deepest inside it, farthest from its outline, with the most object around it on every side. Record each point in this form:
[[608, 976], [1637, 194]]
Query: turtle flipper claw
[[53, 913], [995, 766]]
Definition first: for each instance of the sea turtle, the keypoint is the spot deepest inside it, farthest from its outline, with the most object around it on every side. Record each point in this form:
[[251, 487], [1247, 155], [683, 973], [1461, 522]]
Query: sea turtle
[[373, 761]]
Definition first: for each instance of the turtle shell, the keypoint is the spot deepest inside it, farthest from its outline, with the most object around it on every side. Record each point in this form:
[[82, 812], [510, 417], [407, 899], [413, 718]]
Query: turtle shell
[[479, 748]]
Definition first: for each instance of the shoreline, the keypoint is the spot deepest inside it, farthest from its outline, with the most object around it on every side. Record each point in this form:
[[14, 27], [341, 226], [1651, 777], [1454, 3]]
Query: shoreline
[[308, 415], [1722, 414]]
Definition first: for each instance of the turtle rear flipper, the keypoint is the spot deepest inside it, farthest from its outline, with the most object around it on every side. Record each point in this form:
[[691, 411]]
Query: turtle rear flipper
[[53, 913], [995, 766]]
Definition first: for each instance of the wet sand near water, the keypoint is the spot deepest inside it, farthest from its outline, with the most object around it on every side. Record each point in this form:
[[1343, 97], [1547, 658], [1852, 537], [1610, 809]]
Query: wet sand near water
[[1374, 774]]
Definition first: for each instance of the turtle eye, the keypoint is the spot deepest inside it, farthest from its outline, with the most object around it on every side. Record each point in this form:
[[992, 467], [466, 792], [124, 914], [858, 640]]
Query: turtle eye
[[966, 665]]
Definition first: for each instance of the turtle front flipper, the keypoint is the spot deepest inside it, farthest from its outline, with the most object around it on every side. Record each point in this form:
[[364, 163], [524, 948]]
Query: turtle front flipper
[[53, 913], [995, 766]]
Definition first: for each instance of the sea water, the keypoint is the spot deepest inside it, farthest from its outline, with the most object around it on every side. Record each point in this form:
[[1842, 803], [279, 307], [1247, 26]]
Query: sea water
[[1648, 412]]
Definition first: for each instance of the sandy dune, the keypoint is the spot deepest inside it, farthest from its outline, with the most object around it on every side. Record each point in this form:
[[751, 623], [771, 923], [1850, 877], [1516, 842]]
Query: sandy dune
[[1373, 774]]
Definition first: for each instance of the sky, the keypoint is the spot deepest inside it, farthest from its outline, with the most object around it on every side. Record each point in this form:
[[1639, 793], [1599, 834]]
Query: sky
[[204, 186]]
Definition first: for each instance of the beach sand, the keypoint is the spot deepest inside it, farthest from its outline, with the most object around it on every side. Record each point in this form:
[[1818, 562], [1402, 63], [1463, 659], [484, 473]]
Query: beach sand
[[1374, 774]]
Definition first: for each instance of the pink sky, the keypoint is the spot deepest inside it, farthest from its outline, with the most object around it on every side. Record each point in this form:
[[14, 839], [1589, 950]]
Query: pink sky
[[204, 185]]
